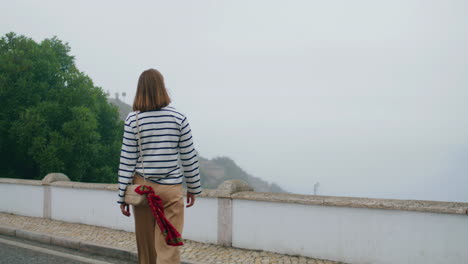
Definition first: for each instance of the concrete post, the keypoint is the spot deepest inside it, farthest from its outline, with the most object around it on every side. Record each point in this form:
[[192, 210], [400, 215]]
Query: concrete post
[[48, 179], [227, 188]]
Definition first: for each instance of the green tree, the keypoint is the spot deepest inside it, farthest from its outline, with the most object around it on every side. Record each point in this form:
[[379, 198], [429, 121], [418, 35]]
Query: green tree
[[52, 117]]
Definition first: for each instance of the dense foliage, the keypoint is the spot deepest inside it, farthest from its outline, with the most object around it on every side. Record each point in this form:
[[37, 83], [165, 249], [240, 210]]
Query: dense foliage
[[52, 117]]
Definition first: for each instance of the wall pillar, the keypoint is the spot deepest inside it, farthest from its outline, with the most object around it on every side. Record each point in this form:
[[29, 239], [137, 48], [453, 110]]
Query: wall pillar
[[225, 221], [225, 190], [48, 179]]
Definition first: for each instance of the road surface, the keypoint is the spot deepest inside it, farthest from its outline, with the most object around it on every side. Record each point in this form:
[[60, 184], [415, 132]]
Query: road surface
[[18, 251]]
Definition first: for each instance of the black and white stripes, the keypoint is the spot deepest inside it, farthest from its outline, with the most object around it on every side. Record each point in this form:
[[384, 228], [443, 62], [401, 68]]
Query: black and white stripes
[[165, 137]]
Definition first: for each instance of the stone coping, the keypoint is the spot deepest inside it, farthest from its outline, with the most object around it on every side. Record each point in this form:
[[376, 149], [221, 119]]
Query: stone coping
[[357, 202], [102, 186], [20, 181], [68, 184], [237, 190], [86, 185]]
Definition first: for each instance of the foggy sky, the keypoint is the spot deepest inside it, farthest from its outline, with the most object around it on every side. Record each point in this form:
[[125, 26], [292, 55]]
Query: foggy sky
[[368, 98]]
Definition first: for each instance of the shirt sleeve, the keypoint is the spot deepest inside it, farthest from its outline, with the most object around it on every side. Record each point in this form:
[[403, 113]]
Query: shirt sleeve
[[189, 159], [128, 158]]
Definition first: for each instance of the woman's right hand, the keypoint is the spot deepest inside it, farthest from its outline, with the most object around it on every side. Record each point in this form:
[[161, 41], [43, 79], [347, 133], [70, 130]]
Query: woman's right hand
[[125, 211], [190, 199]]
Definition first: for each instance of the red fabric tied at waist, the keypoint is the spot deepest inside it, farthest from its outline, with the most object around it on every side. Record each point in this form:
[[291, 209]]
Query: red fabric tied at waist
[[171, 235]]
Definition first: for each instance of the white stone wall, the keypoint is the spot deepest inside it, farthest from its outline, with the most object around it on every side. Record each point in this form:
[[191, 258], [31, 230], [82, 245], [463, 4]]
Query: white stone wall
[[22, 199], [89, 206], [406, 232], [200, 220], [99, 207], [351, 235]]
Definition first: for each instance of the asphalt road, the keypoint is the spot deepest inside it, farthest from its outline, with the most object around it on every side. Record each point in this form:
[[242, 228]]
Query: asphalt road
[[20, 251], [13, 254]]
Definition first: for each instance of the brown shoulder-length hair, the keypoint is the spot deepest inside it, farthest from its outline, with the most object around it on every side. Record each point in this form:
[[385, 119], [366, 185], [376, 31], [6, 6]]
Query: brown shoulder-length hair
[[151, 92]]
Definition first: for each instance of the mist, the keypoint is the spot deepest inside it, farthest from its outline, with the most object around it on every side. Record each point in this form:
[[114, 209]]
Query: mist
[[366, 98]]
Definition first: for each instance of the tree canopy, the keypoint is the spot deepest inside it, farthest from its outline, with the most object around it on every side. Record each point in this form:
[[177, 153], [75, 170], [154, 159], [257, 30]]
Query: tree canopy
[[52, 117]]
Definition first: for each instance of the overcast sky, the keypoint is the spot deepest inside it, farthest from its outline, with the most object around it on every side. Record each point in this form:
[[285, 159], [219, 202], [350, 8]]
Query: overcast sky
[[368, 98]]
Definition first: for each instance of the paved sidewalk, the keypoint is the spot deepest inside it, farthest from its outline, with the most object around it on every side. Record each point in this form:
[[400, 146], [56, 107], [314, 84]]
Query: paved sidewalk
[[192, 250]]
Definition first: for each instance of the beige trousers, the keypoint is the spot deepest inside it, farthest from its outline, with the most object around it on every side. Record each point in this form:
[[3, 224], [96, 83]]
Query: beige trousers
[[152, 247]]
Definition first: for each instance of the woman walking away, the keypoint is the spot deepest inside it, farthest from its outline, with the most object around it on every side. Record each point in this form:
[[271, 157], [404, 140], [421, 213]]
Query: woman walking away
[[165, 137]]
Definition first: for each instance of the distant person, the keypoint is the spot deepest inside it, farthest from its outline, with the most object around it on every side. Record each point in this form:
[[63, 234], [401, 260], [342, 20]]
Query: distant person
[[165, 138]]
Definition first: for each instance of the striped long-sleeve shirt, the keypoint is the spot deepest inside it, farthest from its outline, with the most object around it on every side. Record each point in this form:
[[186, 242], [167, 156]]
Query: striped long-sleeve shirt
[[165, 138]]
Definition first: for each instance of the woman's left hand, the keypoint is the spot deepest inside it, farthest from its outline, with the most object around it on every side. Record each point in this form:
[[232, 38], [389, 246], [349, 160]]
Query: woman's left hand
[[125, 208]]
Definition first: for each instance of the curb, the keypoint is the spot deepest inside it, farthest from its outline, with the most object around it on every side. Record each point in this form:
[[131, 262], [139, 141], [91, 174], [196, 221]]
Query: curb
[[108, 251]]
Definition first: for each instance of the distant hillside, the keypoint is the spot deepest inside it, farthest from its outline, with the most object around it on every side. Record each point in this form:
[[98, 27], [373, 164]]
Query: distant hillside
[[220, 169], [124, 108], [215, 171]]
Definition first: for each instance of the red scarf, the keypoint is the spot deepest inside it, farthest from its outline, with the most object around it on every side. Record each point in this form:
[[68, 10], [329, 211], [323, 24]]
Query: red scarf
[[172, 236]]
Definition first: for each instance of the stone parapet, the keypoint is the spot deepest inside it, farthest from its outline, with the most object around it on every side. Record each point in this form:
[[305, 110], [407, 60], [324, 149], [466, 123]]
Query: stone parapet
[[20, 181], [357, 202], [238, 189], [86, 185]]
